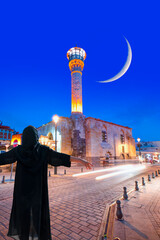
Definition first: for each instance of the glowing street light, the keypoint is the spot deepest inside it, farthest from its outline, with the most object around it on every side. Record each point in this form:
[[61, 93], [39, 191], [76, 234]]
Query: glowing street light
[[55, 120], [138, 139]]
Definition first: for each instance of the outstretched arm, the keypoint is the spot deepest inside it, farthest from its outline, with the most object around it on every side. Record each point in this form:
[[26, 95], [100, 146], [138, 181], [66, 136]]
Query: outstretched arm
[[85, 163], [7, 157], [61, 159], [58, 159]]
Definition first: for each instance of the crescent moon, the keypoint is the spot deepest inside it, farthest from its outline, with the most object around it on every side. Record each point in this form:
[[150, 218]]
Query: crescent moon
[[125, 67]]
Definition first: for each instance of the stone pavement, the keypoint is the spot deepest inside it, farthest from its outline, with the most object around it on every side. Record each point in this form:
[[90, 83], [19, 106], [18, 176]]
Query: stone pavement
[[141, 214], [77, 205]]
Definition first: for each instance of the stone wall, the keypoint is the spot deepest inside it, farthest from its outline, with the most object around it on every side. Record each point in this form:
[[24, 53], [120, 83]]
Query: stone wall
[[97, 149], [82, 137], [64, 133], [78, 141]]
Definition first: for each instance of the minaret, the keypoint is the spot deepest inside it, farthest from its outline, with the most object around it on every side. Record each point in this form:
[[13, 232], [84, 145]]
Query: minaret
[[76, 57]]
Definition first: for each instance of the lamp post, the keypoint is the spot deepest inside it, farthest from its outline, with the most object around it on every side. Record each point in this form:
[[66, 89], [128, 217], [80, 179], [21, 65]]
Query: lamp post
[[7, 146], [138, 139], [55, 120]]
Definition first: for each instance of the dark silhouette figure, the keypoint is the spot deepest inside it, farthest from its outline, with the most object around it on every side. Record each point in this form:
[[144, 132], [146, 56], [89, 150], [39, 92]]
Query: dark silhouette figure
[[30, 217]]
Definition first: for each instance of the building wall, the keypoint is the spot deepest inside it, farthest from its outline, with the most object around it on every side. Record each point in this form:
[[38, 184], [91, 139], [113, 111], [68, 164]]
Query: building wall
[[64, 133], [78, 141], [149, 150], [96, 148], [156, 143], [5, 133], [5, 137], [66, 136], [5, 142], [149, 146], [82, 137]]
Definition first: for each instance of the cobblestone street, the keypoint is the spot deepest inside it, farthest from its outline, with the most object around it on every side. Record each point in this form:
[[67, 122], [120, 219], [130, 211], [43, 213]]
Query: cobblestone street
[[77, 205]]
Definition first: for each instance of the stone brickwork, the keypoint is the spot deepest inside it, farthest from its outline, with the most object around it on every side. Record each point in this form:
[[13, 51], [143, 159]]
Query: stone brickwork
[[66, 135], [78, 136], [91, 139], [78, 145], [97, 148]]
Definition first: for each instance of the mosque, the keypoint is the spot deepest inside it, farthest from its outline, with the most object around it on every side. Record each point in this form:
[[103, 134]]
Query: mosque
[[86, 137]]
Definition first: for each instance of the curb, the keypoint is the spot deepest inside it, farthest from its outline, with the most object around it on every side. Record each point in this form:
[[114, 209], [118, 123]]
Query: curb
[[103, 223]]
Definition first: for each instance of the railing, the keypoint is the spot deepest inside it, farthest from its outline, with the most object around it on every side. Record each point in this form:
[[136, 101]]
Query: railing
[[76, 56]]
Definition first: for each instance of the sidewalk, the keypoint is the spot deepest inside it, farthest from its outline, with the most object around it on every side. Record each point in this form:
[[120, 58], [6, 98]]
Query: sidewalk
[[141, 213]]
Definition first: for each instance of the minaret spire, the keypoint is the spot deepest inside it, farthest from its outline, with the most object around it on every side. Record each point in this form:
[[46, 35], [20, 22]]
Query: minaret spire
[[76, 57]]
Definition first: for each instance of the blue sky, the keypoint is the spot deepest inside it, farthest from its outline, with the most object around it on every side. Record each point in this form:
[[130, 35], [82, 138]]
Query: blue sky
[[34, 74]]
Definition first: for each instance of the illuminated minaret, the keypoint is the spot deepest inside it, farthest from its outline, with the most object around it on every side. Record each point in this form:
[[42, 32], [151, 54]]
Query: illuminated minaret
[[76, 57]]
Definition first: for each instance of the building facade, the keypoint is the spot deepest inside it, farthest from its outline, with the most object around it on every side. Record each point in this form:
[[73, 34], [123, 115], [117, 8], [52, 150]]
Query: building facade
[[89, 138], [5, 137], [5, 133], [148, 150]]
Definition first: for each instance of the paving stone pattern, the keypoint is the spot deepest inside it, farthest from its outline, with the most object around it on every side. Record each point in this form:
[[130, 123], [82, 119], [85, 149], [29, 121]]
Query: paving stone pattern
[[152, 207], [141, 214], [76, 205]]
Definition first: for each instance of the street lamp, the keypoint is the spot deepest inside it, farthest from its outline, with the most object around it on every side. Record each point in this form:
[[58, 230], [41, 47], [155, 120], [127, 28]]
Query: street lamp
[[7, 146], [138, 139], [55, 120]]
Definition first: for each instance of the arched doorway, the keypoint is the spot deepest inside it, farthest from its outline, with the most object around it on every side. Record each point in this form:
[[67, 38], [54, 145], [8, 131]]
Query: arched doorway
[[15, 143], [50, 136], [109, 154]]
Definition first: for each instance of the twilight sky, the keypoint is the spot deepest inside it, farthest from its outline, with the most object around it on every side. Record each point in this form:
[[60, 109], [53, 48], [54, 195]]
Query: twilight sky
[[35, 79]]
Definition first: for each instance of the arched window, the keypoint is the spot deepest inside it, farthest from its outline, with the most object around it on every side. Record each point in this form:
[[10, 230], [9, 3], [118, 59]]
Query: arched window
[[104, 134], [122, 138], [50, 136]]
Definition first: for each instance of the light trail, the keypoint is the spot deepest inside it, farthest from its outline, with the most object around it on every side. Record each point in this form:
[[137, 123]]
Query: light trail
[[104, 170], [120, 172]]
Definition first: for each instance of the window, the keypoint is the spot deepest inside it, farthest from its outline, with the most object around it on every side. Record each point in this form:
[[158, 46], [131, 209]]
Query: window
[[104, 136], [50, 136], [122, 138], [122, 149], [5, 135]]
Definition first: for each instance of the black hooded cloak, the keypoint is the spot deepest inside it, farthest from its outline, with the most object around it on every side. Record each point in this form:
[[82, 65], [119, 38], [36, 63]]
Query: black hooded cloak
[[30, 217]]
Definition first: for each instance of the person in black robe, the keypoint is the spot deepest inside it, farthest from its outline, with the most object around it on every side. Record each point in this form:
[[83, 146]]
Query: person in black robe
[[30, 217]]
